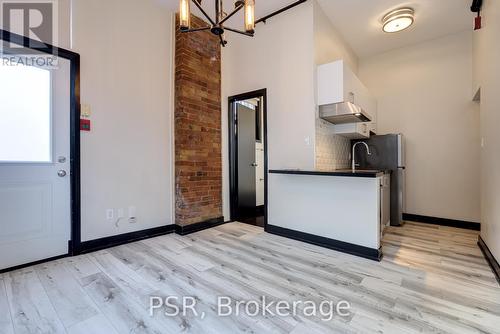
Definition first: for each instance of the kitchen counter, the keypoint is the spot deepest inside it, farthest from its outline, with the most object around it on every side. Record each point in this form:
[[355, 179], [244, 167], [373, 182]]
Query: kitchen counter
[[338, 209], [339, 172]]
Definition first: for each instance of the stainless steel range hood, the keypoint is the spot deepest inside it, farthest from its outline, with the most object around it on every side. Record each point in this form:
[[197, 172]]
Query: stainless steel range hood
[[342, 113]]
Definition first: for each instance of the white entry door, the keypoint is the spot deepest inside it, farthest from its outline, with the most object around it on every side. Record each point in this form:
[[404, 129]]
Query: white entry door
[[35, 204]]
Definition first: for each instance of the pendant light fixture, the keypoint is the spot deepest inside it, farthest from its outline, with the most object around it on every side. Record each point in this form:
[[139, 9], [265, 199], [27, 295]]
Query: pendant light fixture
[[250, 16], [185, 15], [216, 26], [398, 20]]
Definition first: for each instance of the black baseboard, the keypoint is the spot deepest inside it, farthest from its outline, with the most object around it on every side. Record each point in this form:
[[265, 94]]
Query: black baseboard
[[185, 230], [442, 221], [345, 247], [495, 267], [33, 263], [116, 240]]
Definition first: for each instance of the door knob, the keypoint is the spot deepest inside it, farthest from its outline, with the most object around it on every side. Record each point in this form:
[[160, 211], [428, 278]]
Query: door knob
[[61, 173], [254, 165]]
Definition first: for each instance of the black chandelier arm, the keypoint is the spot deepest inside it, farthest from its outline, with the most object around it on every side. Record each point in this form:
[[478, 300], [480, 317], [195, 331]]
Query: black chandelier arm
[[203, 12], [265, 18], [196, 29], [240, 32], [236, 10], [222, 41], [217, 27]]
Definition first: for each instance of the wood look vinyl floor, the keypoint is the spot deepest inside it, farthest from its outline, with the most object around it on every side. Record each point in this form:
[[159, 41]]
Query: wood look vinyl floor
[[432, 280]]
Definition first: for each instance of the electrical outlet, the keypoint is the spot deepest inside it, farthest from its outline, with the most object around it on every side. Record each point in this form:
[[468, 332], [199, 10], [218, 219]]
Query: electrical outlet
[[110, 214], [120, 214], [132, 215]]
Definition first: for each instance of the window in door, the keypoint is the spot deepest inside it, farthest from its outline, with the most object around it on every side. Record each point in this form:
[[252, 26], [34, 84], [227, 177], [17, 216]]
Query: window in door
[[25, 114]]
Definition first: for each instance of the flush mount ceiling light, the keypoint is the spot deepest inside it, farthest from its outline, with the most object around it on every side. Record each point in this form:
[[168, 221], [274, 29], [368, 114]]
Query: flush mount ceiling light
[[398, 20], [216, 26]]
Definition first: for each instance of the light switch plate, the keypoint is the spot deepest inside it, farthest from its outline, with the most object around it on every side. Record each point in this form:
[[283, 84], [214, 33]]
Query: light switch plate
[[85, 111]]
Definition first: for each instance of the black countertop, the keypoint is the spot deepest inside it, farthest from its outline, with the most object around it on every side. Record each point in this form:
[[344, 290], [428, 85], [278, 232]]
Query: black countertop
[[340, 172]]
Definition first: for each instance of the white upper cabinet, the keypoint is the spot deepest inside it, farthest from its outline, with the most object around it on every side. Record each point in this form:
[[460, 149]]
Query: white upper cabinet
[[337, 83], [331, 83]]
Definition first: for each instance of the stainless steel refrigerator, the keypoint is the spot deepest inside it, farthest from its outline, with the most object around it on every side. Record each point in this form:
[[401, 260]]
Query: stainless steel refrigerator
[[387, 153]]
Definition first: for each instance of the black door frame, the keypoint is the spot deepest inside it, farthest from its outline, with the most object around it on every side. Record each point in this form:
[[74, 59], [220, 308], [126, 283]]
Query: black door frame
[[74, 58], [233, 151]]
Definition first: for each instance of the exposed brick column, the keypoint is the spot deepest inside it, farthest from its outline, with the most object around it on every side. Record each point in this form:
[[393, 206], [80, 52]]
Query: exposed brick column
[[198, 155]]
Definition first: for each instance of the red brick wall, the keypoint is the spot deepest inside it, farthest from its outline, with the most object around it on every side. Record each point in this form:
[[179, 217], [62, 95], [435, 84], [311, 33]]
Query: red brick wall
[[198, 156]]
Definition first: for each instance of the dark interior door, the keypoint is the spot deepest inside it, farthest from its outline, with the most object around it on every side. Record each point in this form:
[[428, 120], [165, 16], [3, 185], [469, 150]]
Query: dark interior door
[[246, 159]]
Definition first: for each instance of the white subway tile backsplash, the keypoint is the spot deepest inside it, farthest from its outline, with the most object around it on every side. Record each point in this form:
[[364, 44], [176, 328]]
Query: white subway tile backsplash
[[332, 151]]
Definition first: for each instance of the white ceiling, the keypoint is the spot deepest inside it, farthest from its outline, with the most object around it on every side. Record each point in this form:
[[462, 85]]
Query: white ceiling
[[359, 22]]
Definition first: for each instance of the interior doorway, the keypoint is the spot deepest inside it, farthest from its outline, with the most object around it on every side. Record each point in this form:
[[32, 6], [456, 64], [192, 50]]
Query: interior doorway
[[248, 157]]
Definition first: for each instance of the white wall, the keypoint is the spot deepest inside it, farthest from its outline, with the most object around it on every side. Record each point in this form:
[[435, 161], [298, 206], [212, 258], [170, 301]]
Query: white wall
[[331, 151], [425, 92], [281, 59], [329, 45], [126, 49], [487, 76]]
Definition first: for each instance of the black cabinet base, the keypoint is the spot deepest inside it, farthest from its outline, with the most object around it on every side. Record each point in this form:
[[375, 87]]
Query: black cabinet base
[[442, 222], [344, 247], [495, 267]]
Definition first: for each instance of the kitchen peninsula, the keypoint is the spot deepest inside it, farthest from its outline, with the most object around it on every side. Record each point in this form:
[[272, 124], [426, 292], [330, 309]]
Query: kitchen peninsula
[[338, 209]]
